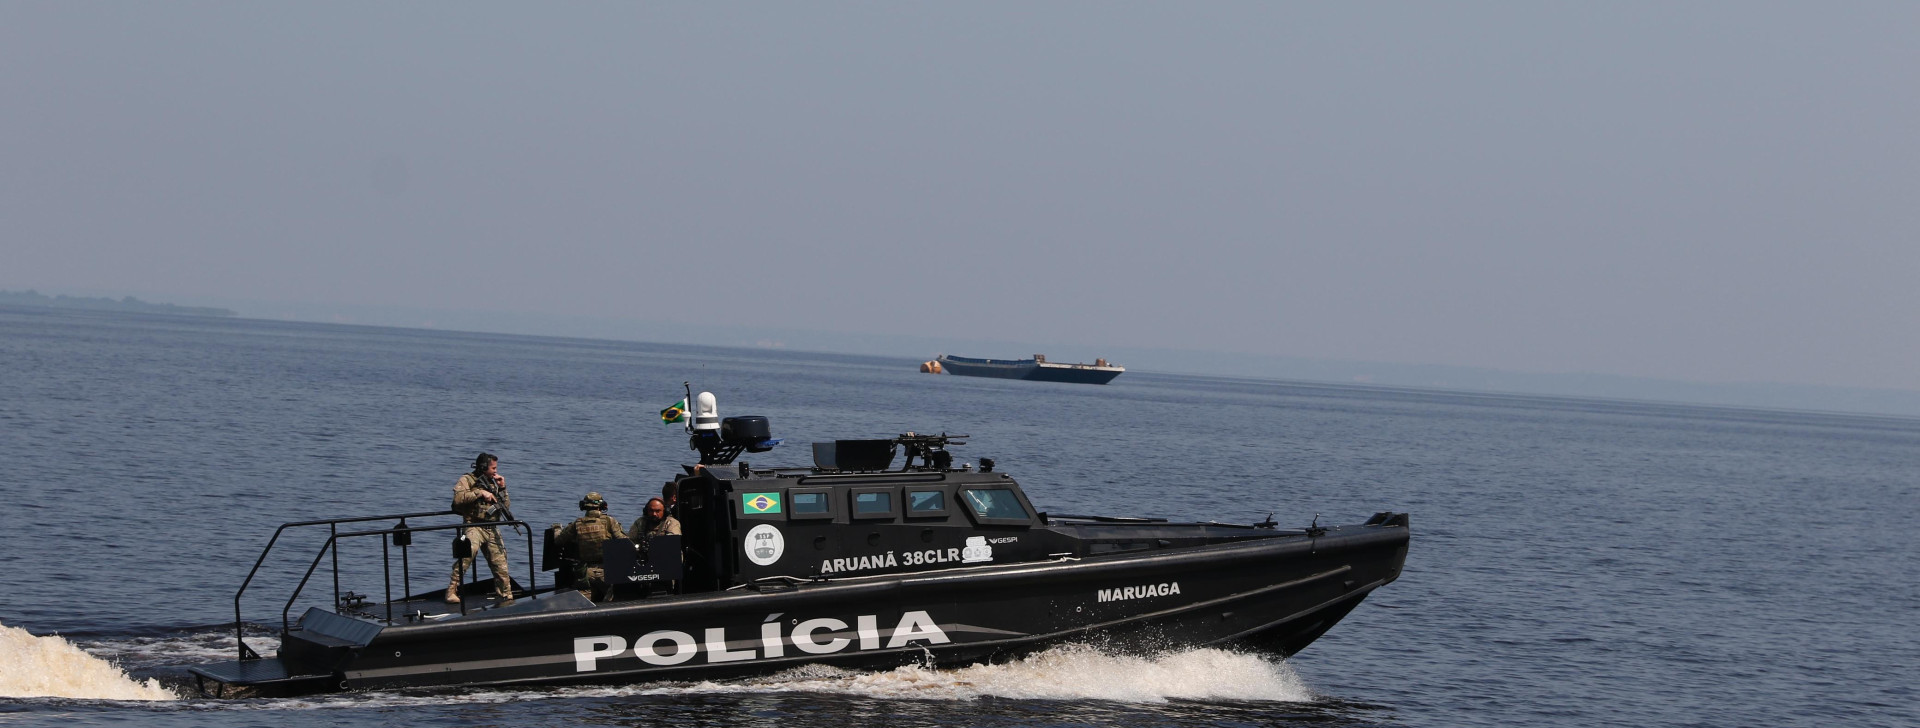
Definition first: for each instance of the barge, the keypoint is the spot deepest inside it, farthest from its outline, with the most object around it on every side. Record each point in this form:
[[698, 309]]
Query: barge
[[1036, 369]]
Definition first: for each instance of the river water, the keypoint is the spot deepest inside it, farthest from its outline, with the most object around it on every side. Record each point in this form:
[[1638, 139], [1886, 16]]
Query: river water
[[1575, 562]]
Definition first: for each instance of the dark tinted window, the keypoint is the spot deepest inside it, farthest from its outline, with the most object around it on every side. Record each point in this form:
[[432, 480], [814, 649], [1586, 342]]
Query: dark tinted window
[[876, 504], [926, 501], [805, 503], [995, 503]]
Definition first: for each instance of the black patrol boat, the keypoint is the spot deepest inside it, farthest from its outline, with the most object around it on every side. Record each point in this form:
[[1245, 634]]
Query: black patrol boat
[[850, 562]]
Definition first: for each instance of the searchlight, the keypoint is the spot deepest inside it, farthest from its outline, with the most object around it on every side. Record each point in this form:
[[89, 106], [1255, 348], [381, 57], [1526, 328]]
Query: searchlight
[[706, 414]]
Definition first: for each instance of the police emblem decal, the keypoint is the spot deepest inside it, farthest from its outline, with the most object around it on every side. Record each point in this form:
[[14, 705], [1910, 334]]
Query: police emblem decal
[[977, 550], [764, 544]]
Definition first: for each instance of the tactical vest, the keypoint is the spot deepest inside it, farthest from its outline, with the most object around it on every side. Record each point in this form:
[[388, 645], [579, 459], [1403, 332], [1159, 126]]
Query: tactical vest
[[476, 510], [591, 532]]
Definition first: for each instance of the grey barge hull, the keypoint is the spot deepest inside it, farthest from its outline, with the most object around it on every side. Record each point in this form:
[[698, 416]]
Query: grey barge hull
[[1037, 369]]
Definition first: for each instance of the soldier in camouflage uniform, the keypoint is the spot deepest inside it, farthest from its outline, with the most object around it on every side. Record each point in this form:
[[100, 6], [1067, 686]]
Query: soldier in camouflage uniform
[[588, 534], [474, 498]]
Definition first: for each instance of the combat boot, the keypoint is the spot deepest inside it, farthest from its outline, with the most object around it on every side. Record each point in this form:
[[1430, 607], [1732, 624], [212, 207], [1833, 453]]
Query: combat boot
[[453, 595]]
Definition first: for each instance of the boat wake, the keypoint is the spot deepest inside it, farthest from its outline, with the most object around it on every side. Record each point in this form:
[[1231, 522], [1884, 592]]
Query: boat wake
[[1069, 672], [52, 667], [141, 653]]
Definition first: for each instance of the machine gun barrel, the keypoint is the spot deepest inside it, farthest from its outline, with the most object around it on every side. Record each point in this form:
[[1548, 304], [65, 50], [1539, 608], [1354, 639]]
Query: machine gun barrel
[[930, 449], [940, 440]]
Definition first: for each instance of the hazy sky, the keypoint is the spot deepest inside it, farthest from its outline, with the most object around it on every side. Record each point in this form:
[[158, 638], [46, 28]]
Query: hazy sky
[[1707, 191]]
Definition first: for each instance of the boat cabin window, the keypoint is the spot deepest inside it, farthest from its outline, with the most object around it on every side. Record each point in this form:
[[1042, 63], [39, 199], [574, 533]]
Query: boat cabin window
[[995, 505], [873, 503], [926, 503], [811, 504]]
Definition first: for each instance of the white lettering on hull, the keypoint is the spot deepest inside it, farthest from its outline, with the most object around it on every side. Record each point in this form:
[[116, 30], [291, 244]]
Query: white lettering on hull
[[717, 647], [1144, 591], [770, 642], [588, 650], [916, 626], [647, 648], [892, 559], [804, 640], [822, 636]]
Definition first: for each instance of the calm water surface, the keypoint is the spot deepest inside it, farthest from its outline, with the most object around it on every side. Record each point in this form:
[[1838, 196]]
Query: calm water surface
[[1575, 562]]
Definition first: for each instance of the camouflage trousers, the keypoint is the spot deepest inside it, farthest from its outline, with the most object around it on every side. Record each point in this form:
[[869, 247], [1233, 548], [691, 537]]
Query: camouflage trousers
[[486, 540], [590, 580]]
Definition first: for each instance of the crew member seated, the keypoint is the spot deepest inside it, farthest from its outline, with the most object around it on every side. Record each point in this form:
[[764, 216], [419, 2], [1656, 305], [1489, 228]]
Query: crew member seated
[[586, 536], [656, 521]]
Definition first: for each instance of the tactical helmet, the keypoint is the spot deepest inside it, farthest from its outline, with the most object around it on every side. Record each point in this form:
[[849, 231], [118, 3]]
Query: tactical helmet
[[593, 502]]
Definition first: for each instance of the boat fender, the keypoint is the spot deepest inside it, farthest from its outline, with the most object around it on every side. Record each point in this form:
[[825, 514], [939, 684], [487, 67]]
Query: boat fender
[[462, 548]]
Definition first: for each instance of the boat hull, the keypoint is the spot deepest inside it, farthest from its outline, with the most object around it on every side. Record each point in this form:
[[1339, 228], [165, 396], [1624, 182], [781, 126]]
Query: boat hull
[[1274, 593], [1028, 369]]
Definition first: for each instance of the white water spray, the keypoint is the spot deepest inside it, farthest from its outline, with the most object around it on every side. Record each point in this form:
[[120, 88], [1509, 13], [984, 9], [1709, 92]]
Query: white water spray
[[51, 667], [1070, 672]]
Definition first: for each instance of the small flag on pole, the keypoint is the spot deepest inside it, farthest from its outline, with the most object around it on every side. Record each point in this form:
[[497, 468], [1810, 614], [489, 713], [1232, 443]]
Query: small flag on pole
[[675, 413]]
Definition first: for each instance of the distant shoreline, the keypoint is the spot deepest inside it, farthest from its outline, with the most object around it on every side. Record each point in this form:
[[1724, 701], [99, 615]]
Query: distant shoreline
[[1826, 399], [129, 303]]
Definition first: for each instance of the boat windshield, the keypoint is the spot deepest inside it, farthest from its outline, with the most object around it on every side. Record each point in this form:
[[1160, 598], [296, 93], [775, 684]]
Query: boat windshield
[[995, 503]]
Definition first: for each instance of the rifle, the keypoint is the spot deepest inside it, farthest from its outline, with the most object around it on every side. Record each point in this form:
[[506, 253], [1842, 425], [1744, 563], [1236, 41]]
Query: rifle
[[498, 507]]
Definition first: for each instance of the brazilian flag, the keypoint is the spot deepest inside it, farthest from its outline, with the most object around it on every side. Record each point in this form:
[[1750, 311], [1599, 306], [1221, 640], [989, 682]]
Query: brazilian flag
[[760, 503], [675, 413]]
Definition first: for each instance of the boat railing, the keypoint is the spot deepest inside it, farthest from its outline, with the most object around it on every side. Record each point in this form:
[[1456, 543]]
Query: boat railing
[[400, 535], [1103, 519]]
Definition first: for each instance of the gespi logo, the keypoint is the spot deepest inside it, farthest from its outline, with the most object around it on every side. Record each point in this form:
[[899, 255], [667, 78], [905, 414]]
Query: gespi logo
[[823, 636]]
